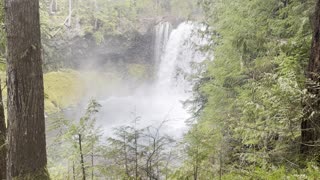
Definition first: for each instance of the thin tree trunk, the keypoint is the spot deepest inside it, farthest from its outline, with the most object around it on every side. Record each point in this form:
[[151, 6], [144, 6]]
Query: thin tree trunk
[[96, 19], [27, 155], [3, 150], [136, 148], [53, 6], [126, 155], [310, 131], [136, 153], [92, 163], [167, 165], [196, 166], [70, 13], [68, 175], [73, 171], [220, 163], [81, 159]]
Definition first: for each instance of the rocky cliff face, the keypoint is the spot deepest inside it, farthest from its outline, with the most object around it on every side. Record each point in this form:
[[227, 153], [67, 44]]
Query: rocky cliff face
[[82, 52], [118, 49]]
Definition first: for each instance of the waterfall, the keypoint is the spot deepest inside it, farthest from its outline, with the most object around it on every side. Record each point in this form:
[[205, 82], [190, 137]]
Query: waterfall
[[179, 56], [161, 34], [175, 53]]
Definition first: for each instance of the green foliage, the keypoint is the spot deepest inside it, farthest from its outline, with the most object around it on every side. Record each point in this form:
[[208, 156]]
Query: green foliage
[[98, 17], [311, 172], [187, 8], [96, 20], [67, 139], [142, 153], [248, 102]]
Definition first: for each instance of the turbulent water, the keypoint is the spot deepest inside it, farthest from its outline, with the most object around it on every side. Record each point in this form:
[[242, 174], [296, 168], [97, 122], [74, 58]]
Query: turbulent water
[[160, 101], [161, 37]]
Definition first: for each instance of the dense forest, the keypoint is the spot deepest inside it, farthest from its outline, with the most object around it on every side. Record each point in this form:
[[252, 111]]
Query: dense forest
[[160, 89]]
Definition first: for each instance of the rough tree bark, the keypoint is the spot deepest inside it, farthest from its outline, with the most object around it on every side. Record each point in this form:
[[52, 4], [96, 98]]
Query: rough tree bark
[[310, 126], [3, 150], [26, 122]]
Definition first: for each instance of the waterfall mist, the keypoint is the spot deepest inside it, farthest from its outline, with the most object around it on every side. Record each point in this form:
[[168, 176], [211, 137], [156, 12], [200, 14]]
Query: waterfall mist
[[175, 53]]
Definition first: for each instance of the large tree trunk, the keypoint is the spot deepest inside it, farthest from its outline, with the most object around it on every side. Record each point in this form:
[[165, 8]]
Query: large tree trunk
[[310, 126], [26, 123], [3, 151]]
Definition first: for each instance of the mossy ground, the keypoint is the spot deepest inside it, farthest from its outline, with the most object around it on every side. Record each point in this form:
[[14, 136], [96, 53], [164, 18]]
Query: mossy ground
[[66, 87], [138, 71], [62, 89]]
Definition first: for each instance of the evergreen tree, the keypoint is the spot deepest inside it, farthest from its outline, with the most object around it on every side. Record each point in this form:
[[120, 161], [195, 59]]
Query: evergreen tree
[[247, 103], [79, 143]]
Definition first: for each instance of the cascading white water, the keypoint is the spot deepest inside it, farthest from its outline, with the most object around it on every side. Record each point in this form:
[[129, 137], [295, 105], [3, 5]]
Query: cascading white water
[[161, 36], [180, 54], [161, 100]]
